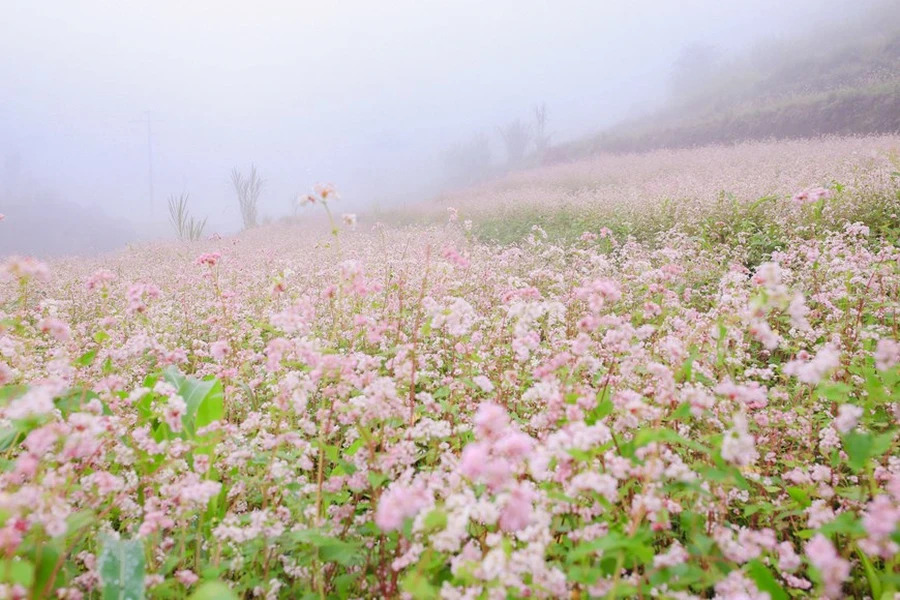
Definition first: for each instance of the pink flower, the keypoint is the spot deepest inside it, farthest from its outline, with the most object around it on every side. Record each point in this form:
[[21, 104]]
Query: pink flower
[[515, 445], [598, 293], [209, 258], [811, 195], [219, 349], [738, 445], [887, 354], [674, 556], [174, 411], [398, 504], [201, 463], [325, 191], [25, 268], [6, 374], [788, 560], [768, 275], [54, 327], [99, 279], [833, 569], [762, 333], [484, 383], [813, 371], [453, 255], [490, 420], [752, 394], [880, 520], [475, 457], [138, 295], [186, 577], [517, 510], [737, 587], [848, 417]]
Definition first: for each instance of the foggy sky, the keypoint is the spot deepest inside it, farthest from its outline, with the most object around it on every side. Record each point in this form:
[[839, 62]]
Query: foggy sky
[[361, 94]]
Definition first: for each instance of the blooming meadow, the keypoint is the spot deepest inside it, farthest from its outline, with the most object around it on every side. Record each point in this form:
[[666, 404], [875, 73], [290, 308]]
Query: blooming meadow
[[705, 406]]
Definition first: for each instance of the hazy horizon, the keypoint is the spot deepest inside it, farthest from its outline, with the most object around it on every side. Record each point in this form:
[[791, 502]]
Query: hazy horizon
[[363, 95]]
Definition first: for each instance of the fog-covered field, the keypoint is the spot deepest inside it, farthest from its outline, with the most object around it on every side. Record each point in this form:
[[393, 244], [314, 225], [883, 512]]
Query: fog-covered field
[[687, 386]]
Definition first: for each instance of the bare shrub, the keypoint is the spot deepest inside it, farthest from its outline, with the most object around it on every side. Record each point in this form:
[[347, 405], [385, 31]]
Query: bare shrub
[[516, 137], [248, 190], [187, 228]]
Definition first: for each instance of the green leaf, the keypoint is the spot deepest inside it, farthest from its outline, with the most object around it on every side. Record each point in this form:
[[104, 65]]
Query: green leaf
[[647, 436], [121, 568], [376, 480], [212, 406], [7, 437], [101, 336], [339, 551], [800, 496], [417, 585], [436, 520], [882, 443], [44, 558], [846, 523], [329, 549], [85, 359], [213, 590], [173, 376], [765, 581], [17, 571], [204, 399], [859, 448], [11, 392], [871, 573], [835, 391], [604, 408]]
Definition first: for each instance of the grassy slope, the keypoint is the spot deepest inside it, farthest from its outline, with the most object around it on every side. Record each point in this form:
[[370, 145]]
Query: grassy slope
[[840, 82]]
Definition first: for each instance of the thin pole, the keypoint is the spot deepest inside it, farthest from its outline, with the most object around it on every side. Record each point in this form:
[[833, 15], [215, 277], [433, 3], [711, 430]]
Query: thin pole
[[149, 121], [150, 158]]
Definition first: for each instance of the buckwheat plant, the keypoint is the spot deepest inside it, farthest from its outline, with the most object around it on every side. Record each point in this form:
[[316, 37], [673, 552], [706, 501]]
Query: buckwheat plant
[[685, 406]]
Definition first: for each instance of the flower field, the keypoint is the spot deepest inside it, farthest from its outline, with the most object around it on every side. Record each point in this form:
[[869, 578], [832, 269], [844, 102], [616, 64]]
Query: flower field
[[694, 395]]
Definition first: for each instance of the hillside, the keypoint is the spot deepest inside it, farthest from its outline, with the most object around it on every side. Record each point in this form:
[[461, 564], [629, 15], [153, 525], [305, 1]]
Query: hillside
[[842, 81]]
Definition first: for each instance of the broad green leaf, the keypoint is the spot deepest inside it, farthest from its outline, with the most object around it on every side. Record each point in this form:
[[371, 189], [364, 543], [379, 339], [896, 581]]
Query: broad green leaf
[[121, 568], [45, 558], [85, 359], [765, 581], [417, 585], [871, 573], [846, 523], [376, 479], [835, 391], [859, 448], [213, 590], [435, 520], [800, 496], [339, 551], [11, 392], [17, 571], [204, 399], [7, 437], [604, 408]]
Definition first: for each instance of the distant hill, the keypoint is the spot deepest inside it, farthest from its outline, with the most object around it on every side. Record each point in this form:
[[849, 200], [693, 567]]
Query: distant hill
[[40, 225], [844, 80]]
